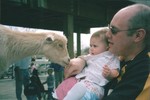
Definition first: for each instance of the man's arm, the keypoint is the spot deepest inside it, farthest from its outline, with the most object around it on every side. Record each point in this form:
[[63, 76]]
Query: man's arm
[[131, 84]]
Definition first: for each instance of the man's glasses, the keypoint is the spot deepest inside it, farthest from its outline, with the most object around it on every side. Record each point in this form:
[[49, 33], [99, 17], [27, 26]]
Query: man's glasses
[[115, 30]]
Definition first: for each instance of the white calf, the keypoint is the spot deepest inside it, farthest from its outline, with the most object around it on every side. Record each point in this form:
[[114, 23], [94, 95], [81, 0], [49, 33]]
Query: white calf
[[16, 45]]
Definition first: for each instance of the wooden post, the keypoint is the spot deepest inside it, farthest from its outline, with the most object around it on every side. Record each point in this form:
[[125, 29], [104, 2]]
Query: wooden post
[[68, 31], [78, 44], [0, 12]]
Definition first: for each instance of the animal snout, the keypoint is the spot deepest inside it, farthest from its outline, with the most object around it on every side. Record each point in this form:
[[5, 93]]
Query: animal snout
[[68, 59]]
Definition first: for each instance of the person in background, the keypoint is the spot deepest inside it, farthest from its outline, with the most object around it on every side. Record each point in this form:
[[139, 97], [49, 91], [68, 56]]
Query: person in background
[[93, 78], [59, 73], [50, 83], [22, 75], [32, 90], [129, 37], [32, 67], [37, 80]]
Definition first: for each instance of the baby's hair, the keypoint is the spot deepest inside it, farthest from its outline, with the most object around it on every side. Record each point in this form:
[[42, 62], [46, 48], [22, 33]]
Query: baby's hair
[[101, 34]]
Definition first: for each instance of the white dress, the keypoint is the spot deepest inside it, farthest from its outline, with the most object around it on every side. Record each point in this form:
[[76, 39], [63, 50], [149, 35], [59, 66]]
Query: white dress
[[91, 76]]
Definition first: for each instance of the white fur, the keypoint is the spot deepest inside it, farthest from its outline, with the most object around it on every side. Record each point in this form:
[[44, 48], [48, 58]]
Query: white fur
[[16, 45]]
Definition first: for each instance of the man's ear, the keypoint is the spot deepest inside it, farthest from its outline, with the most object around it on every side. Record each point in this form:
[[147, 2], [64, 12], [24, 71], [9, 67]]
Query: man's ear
[[140, 35]]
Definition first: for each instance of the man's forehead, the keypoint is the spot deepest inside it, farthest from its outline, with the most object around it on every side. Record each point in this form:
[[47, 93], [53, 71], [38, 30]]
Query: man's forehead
[[121, 20]]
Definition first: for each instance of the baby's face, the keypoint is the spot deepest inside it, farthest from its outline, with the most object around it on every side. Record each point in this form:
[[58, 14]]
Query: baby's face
[[97, 46]]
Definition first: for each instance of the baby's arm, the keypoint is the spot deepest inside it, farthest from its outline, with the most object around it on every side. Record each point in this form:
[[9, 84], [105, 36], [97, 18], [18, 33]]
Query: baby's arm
[[110, 73], [75, 66]]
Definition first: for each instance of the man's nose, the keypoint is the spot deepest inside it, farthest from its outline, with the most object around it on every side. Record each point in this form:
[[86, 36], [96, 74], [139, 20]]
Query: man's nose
[[108, 34]]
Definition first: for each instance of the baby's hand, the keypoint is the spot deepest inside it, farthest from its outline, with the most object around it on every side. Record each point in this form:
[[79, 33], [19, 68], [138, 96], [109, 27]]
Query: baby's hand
[[106, 72]]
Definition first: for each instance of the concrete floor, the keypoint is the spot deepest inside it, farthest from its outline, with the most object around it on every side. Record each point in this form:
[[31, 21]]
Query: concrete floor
[[7, 89]]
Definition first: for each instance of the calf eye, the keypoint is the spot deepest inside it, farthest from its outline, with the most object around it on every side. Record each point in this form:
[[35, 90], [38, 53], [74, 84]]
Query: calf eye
[[60, 45]]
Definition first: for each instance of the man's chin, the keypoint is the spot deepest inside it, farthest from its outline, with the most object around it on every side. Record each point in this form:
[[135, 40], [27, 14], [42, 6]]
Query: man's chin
[[113, 51]]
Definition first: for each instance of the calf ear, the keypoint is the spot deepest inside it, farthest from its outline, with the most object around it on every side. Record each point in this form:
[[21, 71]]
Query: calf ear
[[49, 39]]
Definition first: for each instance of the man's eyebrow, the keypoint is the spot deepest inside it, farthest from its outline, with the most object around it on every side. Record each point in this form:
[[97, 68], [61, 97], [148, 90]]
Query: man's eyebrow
[[114, 27]]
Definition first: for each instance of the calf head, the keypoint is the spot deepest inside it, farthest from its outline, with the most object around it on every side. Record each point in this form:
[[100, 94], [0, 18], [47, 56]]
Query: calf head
[[55, 49]]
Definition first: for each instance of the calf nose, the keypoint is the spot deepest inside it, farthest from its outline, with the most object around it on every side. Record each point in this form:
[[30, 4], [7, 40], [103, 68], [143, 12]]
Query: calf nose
[[68, 59]]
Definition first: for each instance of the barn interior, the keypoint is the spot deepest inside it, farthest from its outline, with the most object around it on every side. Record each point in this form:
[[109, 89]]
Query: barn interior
[[69, 16]]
